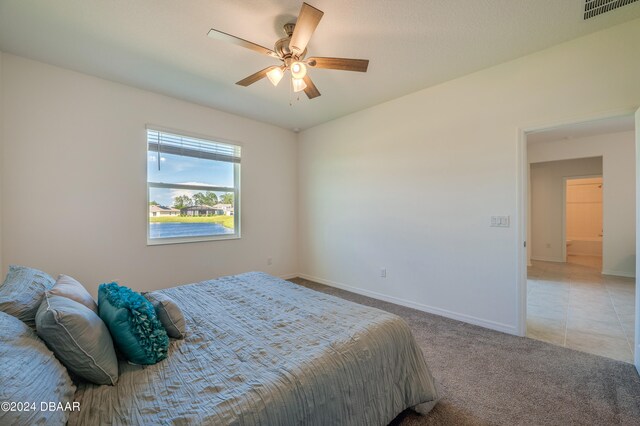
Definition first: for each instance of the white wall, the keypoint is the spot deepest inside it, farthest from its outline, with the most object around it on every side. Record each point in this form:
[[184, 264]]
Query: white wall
[[619, 170], [74, 182], [411, 184], [547, 196], [1, 152], [636, 359]]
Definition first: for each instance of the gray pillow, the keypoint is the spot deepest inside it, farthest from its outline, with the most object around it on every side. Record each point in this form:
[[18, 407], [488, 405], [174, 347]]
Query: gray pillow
[[30, 373], [22, 291], [168, 313], [79, 339], [68, 287]]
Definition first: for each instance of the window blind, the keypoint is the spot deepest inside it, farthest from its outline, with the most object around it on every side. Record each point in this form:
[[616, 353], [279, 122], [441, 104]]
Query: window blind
[[187, 146]]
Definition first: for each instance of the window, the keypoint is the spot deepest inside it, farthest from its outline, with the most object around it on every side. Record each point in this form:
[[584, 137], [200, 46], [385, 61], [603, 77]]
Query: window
[[193, 189]]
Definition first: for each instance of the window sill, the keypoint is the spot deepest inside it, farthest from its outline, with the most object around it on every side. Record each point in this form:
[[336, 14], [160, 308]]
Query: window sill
[[185, 240]]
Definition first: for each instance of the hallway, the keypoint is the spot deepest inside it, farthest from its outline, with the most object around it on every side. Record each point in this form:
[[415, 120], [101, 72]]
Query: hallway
[[573, 305]]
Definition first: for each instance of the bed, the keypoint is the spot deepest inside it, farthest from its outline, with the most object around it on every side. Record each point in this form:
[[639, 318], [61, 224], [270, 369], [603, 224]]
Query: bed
[[261, 350]]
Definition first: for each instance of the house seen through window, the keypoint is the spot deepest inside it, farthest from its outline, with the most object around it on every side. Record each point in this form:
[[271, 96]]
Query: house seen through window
[[193, 188]]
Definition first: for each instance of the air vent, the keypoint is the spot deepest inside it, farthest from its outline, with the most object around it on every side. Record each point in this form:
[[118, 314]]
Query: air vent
[[598, 7]]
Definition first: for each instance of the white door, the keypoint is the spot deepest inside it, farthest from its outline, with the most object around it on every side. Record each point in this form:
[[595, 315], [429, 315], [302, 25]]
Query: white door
[[637, 339]]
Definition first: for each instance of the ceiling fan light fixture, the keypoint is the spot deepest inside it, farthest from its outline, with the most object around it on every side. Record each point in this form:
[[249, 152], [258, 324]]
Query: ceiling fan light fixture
[[298, 84], [298, 70], [275, 75], [291, 51]]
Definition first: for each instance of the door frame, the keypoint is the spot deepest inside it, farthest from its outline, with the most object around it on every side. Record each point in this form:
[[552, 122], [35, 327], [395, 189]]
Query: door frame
[[564, 210], [522, 213]]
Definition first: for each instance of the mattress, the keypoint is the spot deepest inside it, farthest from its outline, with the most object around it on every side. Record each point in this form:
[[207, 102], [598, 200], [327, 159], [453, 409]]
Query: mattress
[[261, 350]]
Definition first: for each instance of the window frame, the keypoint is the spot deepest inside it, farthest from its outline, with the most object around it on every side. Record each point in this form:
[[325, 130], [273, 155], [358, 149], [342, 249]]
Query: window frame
[[235, 190]]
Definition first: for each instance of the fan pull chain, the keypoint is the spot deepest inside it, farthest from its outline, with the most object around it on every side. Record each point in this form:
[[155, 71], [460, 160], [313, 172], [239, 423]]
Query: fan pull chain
[[291, 92]]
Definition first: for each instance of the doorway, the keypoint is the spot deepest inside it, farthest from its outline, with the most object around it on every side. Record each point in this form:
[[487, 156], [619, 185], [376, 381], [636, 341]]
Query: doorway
[[578, 286], [583, 228]]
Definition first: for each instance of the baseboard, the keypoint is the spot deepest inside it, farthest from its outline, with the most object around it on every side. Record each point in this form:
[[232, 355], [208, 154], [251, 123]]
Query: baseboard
[[288, 276], [493, 325], [547, 259], [618, 273]]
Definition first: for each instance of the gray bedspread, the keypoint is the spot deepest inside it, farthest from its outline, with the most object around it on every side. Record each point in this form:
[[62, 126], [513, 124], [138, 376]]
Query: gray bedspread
[[261, 350]]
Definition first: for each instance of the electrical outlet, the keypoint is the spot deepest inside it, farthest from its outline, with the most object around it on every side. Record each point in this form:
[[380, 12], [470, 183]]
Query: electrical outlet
[[383, 272], [269, 261]]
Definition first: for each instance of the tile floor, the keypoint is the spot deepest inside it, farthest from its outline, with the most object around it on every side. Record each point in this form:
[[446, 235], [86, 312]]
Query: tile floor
[[571, 304]]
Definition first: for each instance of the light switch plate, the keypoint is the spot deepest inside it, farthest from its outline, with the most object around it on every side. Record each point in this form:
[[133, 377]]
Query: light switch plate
[[500, 221]]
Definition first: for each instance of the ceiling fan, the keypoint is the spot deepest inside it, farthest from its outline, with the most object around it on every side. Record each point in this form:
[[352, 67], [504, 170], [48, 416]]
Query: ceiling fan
[[292, 50]]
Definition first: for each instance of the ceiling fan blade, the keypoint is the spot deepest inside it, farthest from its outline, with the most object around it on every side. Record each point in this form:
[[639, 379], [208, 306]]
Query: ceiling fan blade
[[255, 77], [220, 35], [308, 20], [311, 90], [344, 64]]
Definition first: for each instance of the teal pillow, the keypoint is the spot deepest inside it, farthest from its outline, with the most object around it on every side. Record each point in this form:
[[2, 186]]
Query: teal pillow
[[133, 324], [22, 292], [79, 338]]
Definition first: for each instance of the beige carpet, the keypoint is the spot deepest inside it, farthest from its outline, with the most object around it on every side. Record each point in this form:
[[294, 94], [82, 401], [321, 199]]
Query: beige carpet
[[491, 378]]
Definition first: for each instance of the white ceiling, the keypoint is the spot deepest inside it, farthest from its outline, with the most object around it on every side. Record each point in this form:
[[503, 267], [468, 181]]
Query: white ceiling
[[625, 123], [162, 45]]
